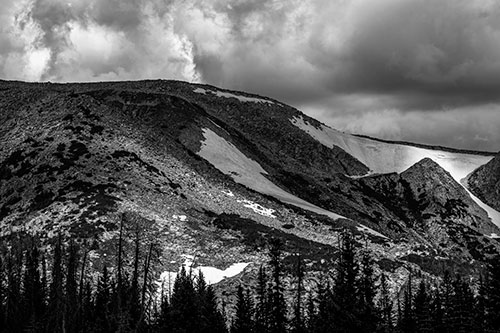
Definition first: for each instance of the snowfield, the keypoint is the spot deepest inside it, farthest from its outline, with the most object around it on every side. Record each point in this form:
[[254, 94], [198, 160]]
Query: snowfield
[[229, 95], [382, 157], [231, 161]]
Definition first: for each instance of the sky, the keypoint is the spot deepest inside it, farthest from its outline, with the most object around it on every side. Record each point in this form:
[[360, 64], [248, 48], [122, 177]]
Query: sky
[[426, 71]]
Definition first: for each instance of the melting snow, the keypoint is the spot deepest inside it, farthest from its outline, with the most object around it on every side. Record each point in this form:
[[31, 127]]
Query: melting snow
[[229, 95], [365, 229], [228, 193], [212, 275], [180, 217], [258, 208], [228, 159], [382, 157]]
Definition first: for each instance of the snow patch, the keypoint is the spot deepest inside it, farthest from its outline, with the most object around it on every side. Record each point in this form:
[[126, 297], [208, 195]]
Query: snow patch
[[228, 193], [181, 218], [365, 229], [268, 212], [231, 161], [212, 275], [230, 95], [383, 157]]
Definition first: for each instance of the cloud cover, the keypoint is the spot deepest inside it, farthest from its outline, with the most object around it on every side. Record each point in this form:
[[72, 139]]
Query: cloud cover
[[419, 70]]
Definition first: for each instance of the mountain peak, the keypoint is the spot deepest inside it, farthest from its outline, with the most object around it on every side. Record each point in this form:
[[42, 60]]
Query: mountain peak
[[485, 182]]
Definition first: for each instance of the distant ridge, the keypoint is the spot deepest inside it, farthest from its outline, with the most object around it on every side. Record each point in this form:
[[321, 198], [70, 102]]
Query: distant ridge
[[421, 145]]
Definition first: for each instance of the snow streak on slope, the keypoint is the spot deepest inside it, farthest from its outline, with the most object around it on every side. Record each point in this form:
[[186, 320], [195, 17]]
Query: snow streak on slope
[[228, 159], [212, 275], [382, 157], [229, 95]]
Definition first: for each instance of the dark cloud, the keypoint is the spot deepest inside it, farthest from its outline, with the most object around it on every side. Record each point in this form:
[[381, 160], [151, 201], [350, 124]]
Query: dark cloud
[[366, 66]]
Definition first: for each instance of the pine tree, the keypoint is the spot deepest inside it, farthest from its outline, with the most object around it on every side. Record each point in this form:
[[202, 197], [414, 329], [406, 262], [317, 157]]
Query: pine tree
[[277, 300], [310, 313], [71, 299], [185, 314], [134, 303], [345, 288], [479, 307], [262, 305], [385, 306], [423, 319], [447, 292], [13, 313], [56, 297], [367, 292], [88, 312], [492, 295], [463, 302], [325, 320], [407, 319], [102, 300], [2, 308], [243, 321], [437, 311], [33, 303], [211, 319], [298, 325]]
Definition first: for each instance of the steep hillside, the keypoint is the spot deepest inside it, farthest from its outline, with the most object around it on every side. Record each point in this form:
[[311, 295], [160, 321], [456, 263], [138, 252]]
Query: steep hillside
[[485, 183], [430, 202], [209, 175]]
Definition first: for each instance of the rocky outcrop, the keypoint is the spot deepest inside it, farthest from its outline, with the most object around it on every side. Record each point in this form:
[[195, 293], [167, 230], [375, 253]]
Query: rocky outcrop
[[434, 205], [485, 183]]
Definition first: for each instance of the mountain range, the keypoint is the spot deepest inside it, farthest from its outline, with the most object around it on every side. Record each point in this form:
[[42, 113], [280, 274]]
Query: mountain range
[[210, 175]]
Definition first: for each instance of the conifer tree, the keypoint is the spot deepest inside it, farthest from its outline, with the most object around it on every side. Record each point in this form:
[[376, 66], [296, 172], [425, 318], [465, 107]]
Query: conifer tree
[[278, 308], [423, 319], [367, 292], [56, 297], [185, 316], [345, 289], [133, 303], [325, 317], [437, 311], [479, 307], [447, 292], [463, 302], [492, 293], [385, 306], [13, 314], [298, 325], [406, 322], [262, 305], [32, 299], [102, 300], [2, 294], [243, 321], [310, 313], [216, 319], [71, 305]]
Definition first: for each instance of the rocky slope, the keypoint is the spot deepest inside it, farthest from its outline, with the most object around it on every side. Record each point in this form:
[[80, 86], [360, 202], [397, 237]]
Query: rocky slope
[[485, 183], [209, 175]]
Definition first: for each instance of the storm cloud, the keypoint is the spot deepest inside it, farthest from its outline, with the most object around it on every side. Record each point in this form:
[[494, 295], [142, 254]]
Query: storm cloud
[[418, 70]]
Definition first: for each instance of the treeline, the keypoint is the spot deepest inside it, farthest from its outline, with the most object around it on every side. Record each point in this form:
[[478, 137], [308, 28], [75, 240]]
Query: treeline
[[355, 299], [54, 291]]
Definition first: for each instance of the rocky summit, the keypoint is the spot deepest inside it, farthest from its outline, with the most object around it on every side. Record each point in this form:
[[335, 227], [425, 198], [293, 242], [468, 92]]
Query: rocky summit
[[210, 175], [485, 182]]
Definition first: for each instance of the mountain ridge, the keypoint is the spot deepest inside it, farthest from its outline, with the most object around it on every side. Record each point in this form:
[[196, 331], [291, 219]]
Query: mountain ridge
[[79, 155]]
